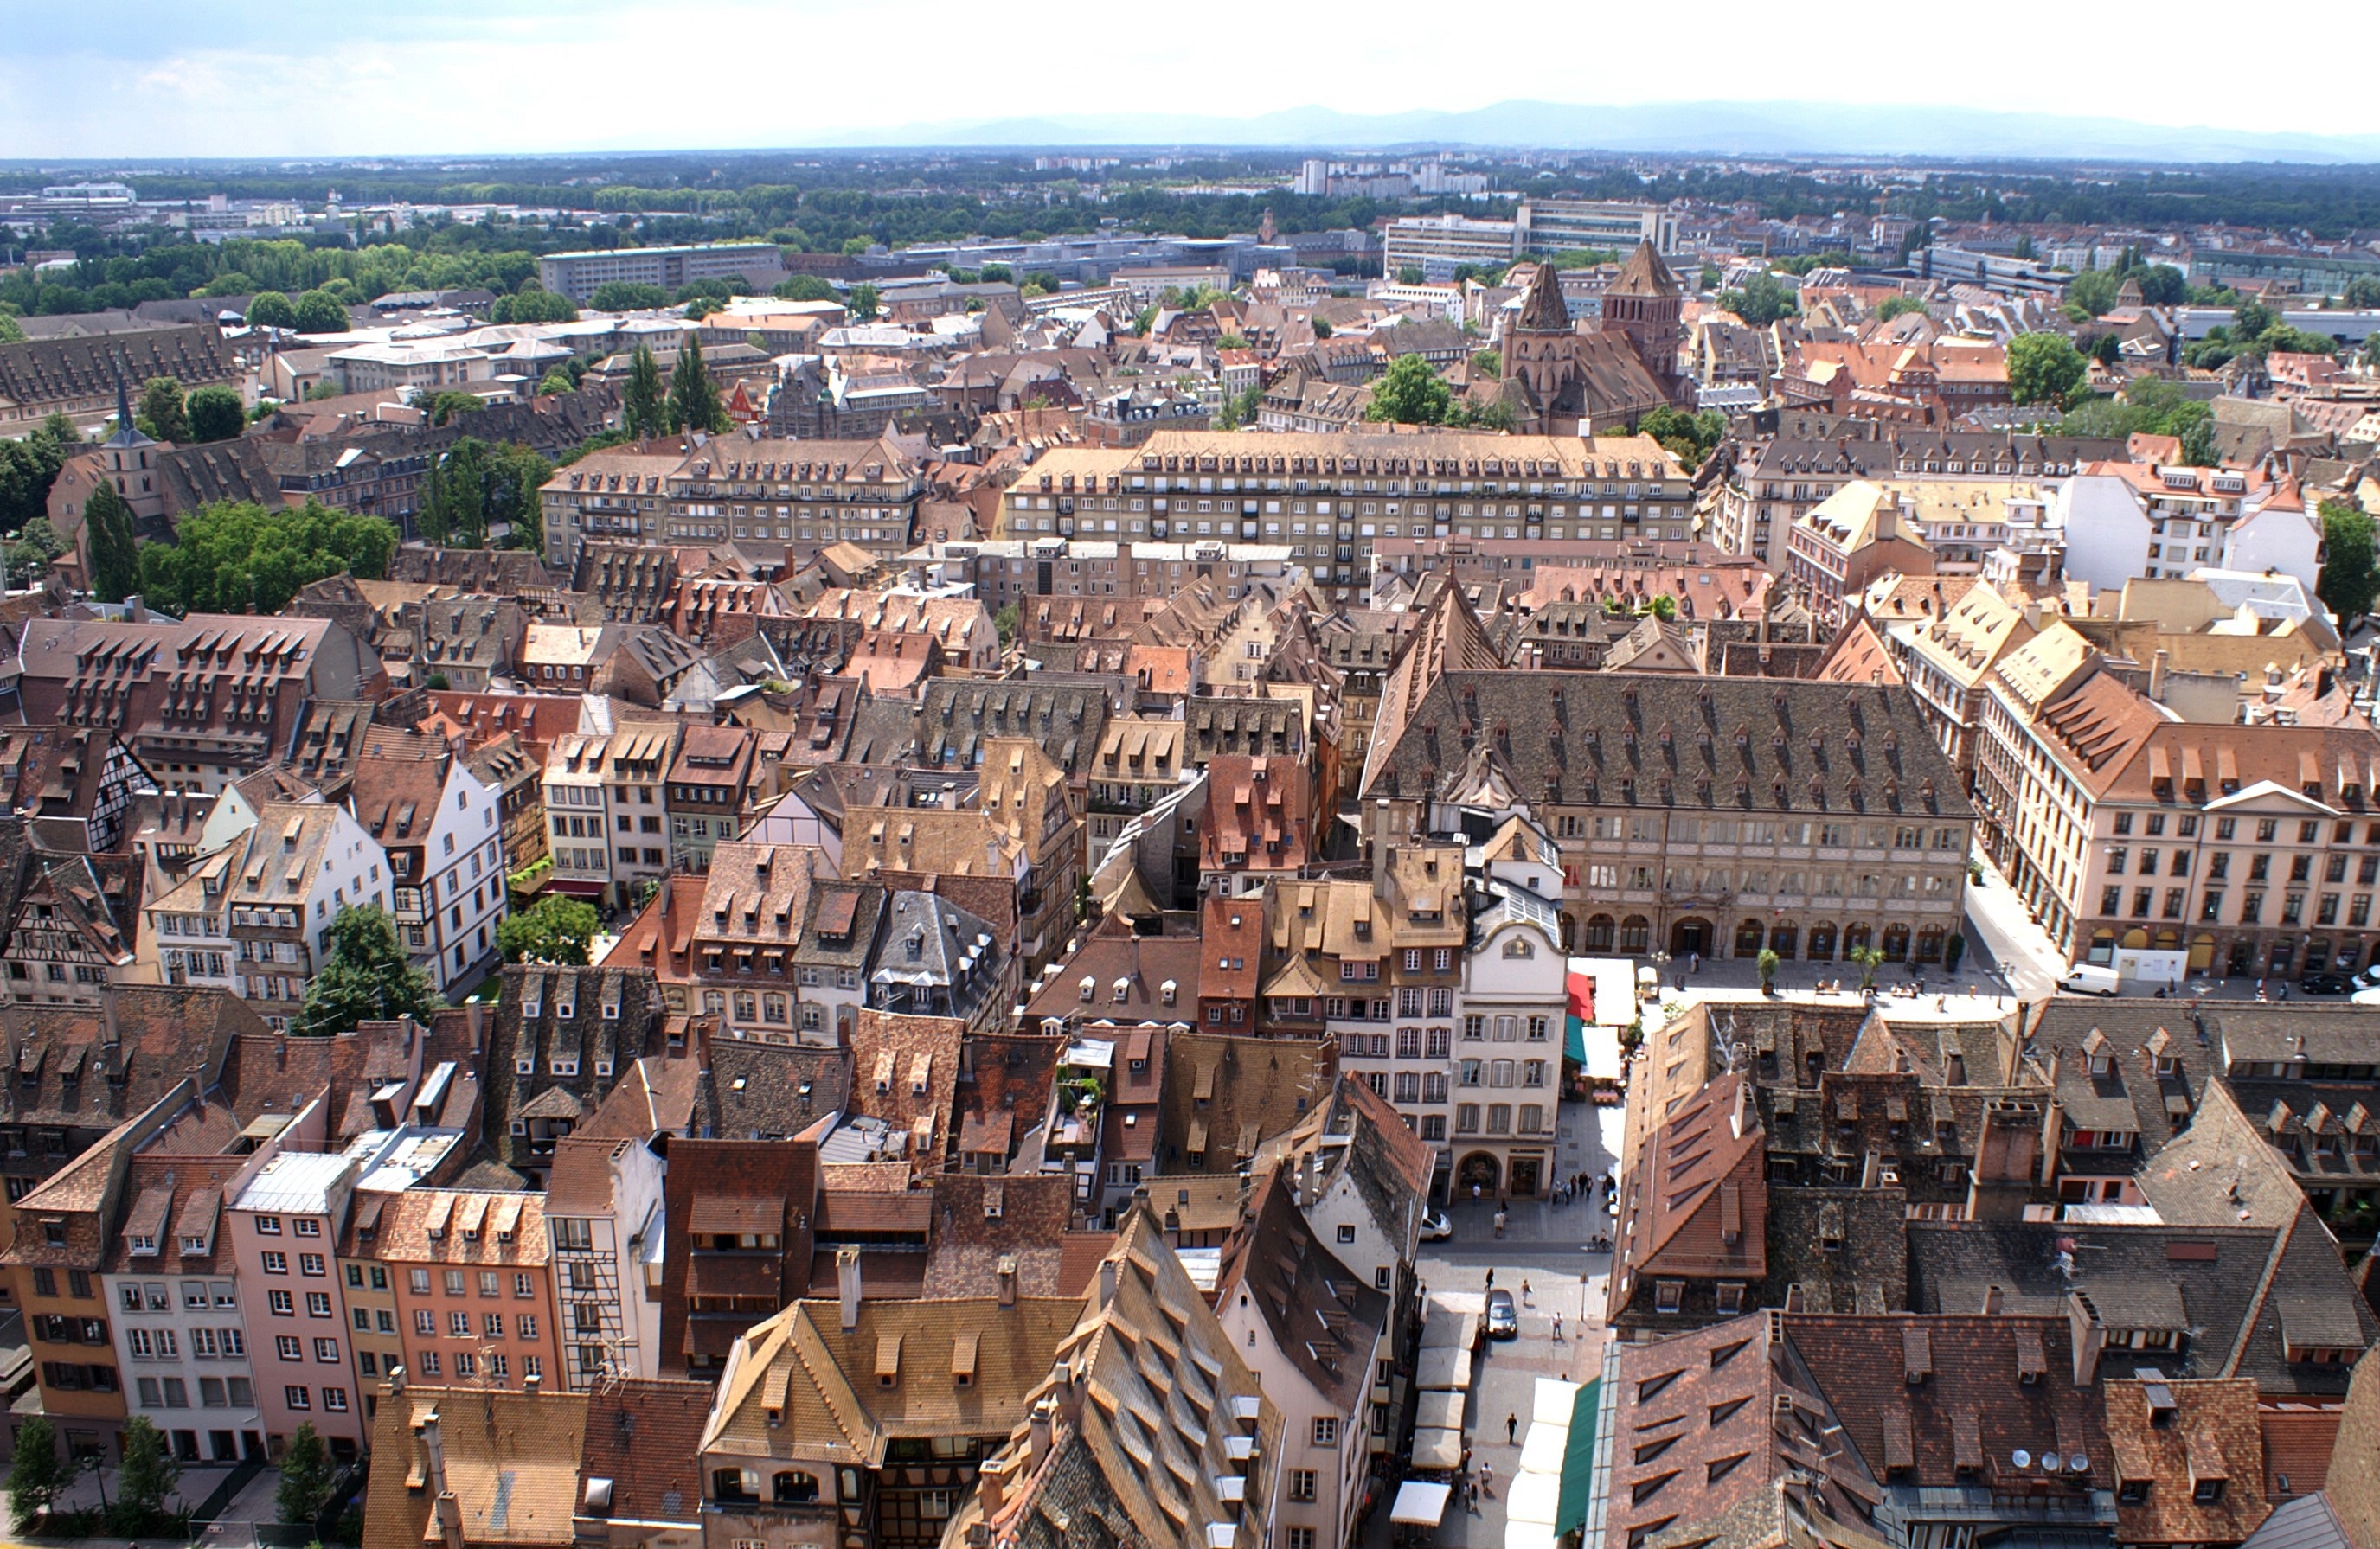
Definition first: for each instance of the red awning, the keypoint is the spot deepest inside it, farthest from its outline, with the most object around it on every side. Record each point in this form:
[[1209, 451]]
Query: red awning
[[577, 887], [1582, 996]]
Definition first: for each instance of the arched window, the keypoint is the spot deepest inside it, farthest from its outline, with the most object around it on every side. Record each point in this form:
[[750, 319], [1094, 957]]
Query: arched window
[[727, 1485], [1896, 943], [1635, 934], [1747, 938], [794, 1487], [1599, 933], [1822, 942]]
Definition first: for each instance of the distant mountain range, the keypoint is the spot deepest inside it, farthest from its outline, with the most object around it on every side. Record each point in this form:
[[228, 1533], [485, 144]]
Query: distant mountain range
[[1682, 128]]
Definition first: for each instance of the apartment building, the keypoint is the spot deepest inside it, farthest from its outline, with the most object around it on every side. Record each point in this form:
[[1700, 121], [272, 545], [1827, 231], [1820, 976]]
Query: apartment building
[[1549, 225], [1436, 245], [2250, 848], [603, 1218], [255, 917], [1330, 497], [438, 824], [2126, 521], [1947, 656], [74, 934], [173, 1282], [472, 1275], [759, 265], [283, 1226], [709, 783], [614, 494], [1139, 764], [1846, 541], [755, 913], [804, 495], [577, 815]]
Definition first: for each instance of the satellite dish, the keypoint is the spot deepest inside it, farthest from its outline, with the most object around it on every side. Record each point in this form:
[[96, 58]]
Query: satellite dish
[[2049, 1462], [2021, 1457], [2077, 1462]]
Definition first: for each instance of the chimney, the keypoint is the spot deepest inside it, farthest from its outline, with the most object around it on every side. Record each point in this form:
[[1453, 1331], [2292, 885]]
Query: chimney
[[2159, 664], [2090, 1336], [1007, 1272], [847, 1279], [1107, 1281], [433, 1449], [1991, 1301], [531, 1384], [1038, 1432], [475, 1007]]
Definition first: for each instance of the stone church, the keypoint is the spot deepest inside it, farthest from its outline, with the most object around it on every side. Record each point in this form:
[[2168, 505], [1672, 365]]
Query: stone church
[[1600, 381]]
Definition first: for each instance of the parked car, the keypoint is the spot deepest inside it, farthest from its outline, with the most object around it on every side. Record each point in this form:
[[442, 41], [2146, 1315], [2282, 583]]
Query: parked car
[[2369, 979], [1503, 1318], [2085, 978], [1435, 1227], [2326, 984]]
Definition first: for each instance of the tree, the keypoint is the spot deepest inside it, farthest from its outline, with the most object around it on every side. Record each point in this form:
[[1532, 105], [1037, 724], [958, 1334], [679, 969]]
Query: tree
[[368, 977], [306, 1477], [38, 1476], [1663, 607], [557, 930], [533, 303], [2024, 248], [30, 552], [555, 380], [110, 546], [1006, 620], [627, 296], [862, 305], [693, 397], [1487, 362], [1584, 258], [1768, 961], [11, 331], [802, 287], [1410, 275], [320, 312], [2349, 580], [857, 247], [454, 507], [1895, 306], [1870, 959], [160, 412], [233, 557], [1691, 436], [145, 1481], [2363, 293], [1410, 394], [641, 414], [2044, 369], [270, 309], [215, 413], [1321, 327], [1764, 299], [447, 404], [1240, 408]]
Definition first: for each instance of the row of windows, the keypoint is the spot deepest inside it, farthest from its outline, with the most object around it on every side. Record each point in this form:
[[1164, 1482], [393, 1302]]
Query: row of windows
[[215, 1393], [468, 1364], [458, 1325], [206, 1344]]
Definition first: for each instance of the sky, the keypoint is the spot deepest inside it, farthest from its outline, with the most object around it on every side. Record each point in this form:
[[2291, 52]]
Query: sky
[[117, 79]]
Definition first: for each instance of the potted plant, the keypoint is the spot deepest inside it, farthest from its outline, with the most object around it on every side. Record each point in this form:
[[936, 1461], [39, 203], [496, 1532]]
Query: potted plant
[[1768, 961], [1870, 959]]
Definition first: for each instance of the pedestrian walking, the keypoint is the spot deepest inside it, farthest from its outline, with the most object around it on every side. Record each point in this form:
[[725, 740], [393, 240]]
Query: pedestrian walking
[[1526, 1301], [1491, 1279], [1557, 1328], [1512, 1429], [1697, 960], [1486, 1478], [1500, 1220], [1474, 1193]]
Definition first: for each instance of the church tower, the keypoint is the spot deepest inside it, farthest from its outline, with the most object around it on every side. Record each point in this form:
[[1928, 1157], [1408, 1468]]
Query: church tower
[[1540, 346], [1647, 307]]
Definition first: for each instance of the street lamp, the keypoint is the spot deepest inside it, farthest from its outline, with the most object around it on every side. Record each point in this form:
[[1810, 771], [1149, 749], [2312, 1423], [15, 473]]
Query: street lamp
[[1661, 960]]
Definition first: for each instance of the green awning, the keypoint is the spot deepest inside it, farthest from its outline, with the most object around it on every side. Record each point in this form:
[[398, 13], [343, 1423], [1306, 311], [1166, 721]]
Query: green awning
[[1575, 1040], [1578, 1460]]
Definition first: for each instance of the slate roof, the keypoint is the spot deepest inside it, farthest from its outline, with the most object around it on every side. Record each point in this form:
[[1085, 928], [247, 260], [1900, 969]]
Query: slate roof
[[1225, 1096], [644, 1436]]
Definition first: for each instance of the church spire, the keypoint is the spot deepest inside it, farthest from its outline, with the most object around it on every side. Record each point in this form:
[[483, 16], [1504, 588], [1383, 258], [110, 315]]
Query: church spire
[[1543, 310]]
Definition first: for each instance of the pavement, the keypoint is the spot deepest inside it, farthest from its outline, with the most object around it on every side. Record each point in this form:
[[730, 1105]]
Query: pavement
[[1544, 1248], [1999, 930]]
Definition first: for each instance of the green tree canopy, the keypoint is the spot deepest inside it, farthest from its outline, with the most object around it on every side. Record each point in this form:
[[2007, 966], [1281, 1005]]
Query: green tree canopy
[[2348, 579], [642, 414], [366, 979], [1895, 306], [215, 413], [1763, 300], [1691, 436], [555, 380], [533, 303], [11, 331], [270, 309], [306, 1477], [233, 557], [626, 296], [1583, 258], [557, 930], [2149, 406], [37, 1476], [318, 311], [110, 545], [2044, 369], [30, 552], [29, 466], [1411, 393], [802, 287], [1487, 362], [693, 397], [161, 411], [862, 304], [144, 1483]]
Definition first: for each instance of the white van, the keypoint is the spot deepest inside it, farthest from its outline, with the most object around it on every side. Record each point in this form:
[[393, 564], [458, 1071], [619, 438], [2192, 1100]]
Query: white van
[[2090, 979]]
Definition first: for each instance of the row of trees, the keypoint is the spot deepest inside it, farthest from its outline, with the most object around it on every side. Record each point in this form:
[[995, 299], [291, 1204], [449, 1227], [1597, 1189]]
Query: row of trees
[[212, 413], [234, 557], [477, 486], [147, 1478], [690, 402]]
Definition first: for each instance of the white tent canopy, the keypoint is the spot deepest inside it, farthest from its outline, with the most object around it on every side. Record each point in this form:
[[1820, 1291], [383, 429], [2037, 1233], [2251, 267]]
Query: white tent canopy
[[1420, 1503], [1437, 1449], [1439, 1409], [1532, 1497]]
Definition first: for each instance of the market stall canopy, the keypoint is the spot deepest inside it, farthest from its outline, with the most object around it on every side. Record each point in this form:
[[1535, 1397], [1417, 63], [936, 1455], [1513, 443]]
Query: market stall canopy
[[1440, 1411], [1420, 1503], [1437, 1449]]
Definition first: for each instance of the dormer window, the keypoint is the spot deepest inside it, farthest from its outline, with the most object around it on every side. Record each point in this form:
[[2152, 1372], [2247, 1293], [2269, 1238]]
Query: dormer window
[[143, 1244]]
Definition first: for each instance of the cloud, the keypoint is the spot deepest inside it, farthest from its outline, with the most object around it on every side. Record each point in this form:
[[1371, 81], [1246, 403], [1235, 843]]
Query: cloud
[[242, 79]]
